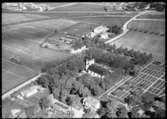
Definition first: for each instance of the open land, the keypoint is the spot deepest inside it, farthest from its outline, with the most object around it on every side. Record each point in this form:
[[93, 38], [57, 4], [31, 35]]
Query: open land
[[22, 41], [146, 42]]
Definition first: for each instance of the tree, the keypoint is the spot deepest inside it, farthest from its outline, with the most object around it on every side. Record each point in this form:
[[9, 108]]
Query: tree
[[121, 112], [68, 100], [105, 9], [44, 103], [43, 81], [102, 111]]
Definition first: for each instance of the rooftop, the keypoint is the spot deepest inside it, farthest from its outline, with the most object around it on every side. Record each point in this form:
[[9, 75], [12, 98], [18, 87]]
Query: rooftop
[[98, 69]]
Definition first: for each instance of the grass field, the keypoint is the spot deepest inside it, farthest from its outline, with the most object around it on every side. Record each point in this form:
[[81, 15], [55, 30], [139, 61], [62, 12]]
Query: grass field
[[22, 41], [9, 18], [144, 42], [151, 26]]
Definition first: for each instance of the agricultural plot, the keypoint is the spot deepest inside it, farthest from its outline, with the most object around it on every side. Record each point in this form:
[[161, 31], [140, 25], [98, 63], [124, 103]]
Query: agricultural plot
[[14, 74], [23, 42], [143, 42], [10, 18], [56, 4], [81, 7], [152, 16], [119, 21], [80, 28], [148, 25]]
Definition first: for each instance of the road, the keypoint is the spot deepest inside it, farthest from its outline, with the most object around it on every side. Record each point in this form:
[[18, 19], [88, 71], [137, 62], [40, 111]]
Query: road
[[125, 27]]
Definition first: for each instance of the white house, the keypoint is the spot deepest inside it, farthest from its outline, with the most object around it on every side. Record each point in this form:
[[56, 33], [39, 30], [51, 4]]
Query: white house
[[89, 62], [15, 112], [91, 103], [78, 50], [140, 112], [30, 91], [100, 29], [104, 35], [91, 35]]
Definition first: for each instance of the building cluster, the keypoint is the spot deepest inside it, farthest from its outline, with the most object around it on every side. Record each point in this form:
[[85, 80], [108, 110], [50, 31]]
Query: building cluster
[[101, 31], [26, 6]]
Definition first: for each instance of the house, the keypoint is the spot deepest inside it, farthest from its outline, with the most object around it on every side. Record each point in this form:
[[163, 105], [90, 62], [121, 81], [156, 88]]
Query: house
[[78, 50], [140, 112], [30, 91], [104, 36], [91, 103], [100, 29], [91, 35], [15, 112]]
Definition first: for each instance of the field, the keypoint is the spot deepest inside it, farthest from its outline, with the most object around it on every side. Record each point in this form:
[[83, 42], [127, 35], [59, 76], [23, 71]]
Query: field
[[105, 20], [147, 25], [143, 42], [152, 16], [81, 7], [10, 18], [22, 42]]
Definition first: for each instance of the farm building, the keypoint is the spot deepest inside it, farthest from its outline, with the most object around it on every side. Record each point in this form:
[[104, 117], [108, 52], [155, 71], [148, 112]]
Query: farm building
[[78, 50], [100, 29], [91, 103], [66, 40], [30, 91], [104, 36], [91, 35]]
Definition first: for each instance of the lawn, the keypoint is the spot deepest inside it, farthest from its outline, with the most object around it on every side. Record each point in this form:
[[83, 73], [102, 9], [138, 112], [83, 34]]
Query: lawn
[[143, 42]]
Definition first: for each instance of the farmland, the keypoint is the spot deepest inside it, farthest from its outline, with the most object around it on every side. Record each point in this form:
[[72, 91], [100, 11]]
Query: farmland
[[145, 42], [81, 7], [147, 25], [22, 41], [152, 16], [105, 20], [10, 18]]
